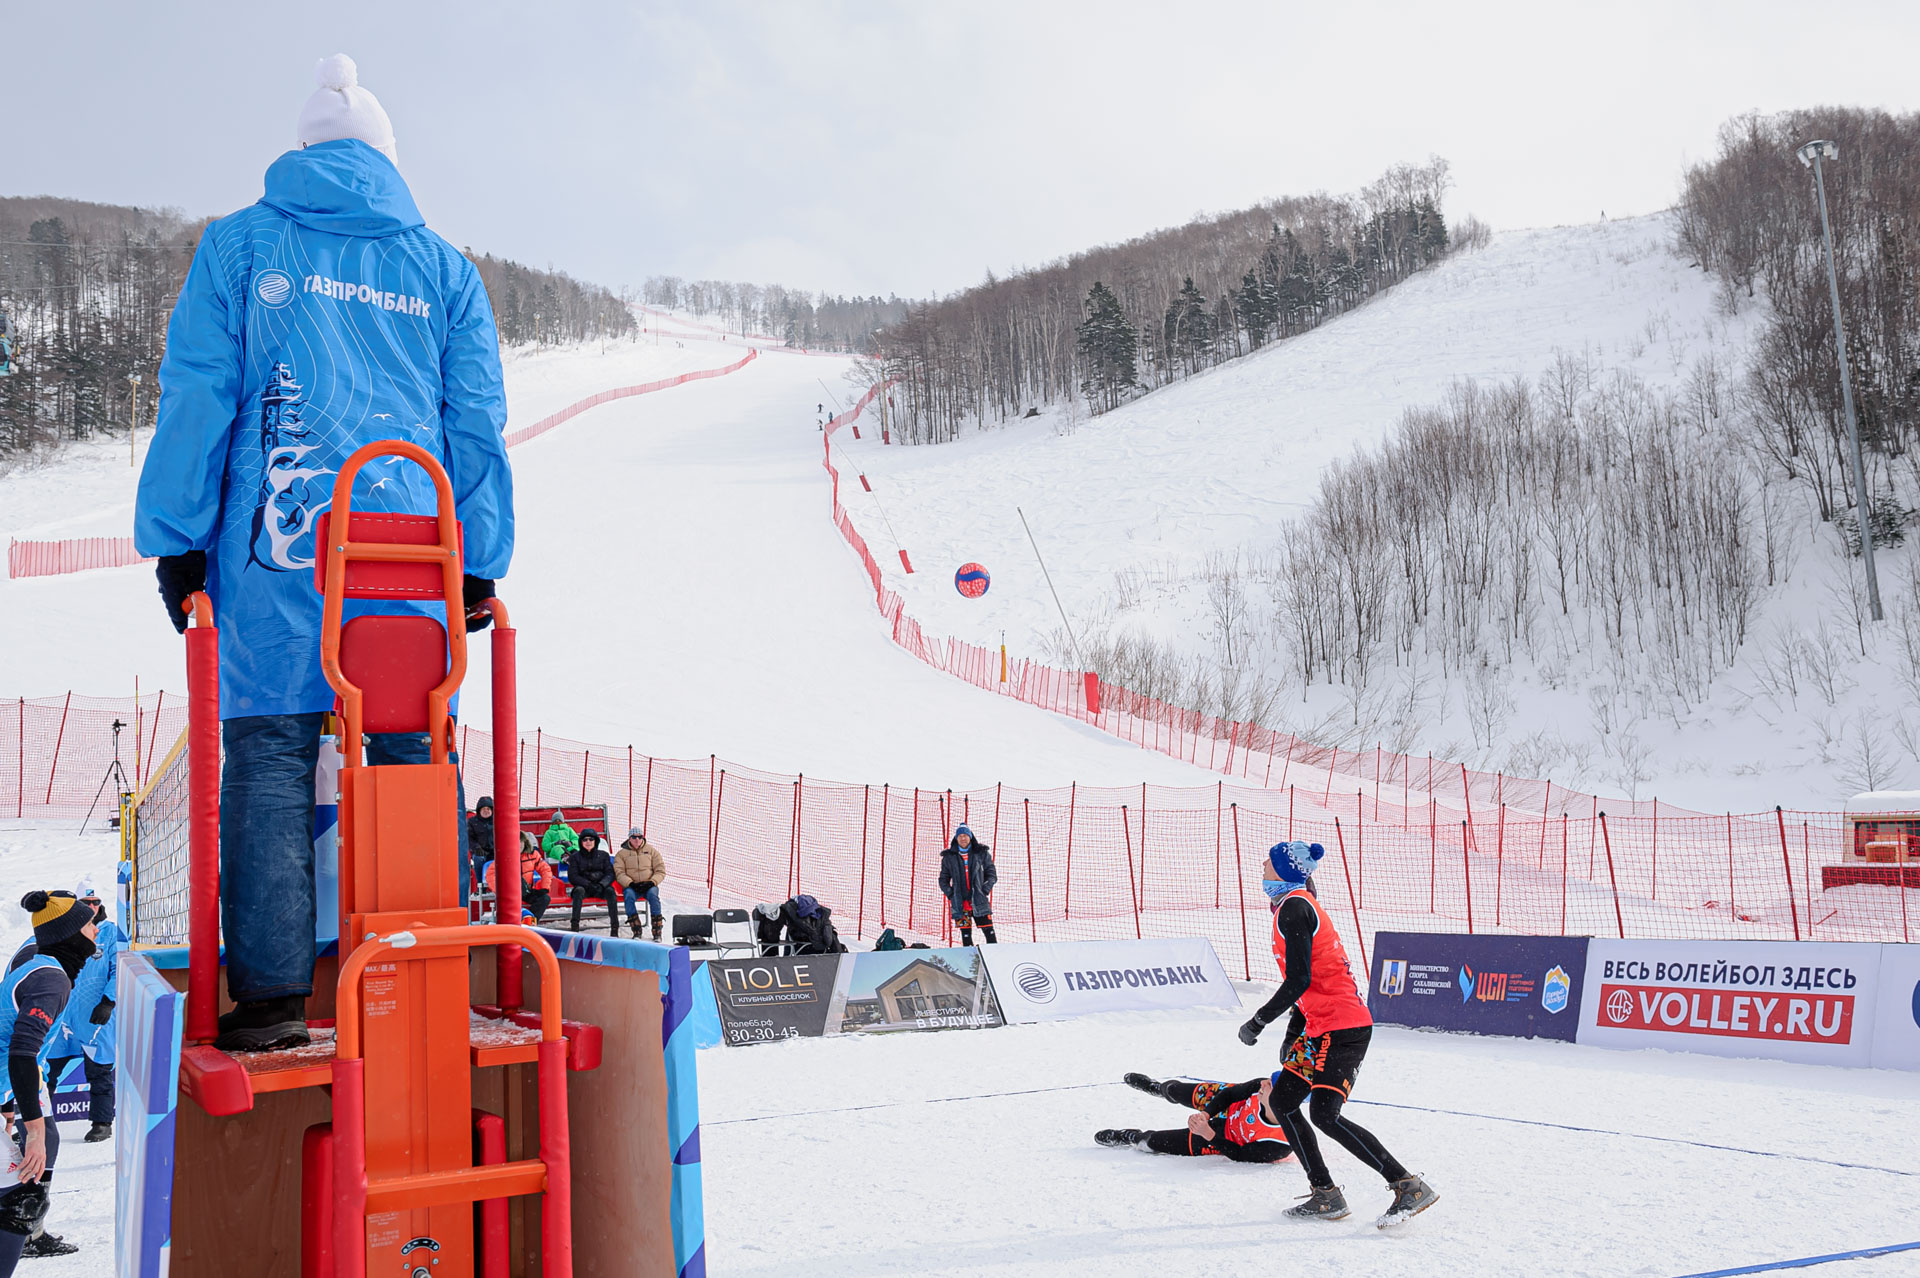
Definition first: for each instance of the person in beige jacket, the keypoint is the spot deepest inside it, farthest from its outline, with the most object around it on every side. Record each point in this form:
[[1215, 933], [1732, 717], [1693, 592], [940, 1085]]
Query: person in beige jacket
[[639, 869]]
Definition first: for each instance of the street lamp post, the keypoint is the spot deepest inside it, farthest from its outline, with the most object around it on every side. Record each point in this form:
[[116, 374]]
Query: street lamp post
[[1810, 155], [133, 421]]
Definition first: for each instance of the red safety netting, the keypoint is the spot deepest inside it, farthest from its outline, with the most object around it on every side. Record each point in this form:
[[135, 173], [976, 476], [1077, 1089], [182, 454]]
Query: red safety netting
[[75, 554], [1399, 787], [1083, 862]]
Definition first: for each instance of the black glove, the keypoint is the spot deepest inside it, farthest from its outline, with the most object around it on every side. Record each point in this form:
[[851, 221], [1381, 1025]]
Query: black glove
[[1250, 1032], [180, 576], [102, 1011], [473, 591]]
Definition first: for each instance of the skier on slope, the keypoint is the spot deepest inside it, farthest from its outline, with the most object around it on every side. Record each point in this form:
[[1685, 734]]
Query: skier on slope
[[1326, 1041], [1242, 1132], [324, 317], [967, 876]]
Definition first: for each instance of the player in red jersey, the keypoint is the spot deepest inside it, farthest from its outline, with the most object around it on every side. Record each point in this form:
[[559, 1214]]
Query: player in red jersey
[[1325, 1044], [1240, 1131]]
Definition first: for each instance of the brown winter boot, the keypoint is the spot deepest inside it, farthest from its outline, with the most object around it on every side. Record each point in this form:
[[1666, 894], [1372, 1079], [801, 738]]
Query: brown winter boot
[[659, 922]]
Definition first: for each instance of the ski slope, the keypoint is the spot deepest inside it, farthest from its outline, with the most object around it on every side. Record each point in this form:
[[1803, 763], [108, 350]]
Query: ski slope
[[1134, 509], [677, 584]]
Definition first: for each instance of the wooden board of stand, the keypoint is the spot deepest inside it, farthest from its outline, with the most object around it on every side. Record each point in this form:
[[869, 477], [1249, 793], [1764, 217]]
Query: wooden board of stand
[[236, 1204]]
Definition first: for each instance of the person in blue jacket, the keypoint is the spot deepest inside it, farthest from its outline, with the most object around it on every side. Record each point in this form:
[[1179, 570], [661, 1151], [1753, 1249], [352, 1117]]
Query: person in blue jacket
[[321, 318], [33, 998], [88, 1027]]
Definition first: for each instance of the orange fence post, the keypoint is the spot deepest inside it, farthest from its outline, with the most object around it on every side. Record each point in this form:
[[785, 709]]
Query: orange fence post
[[1614, 882], [539, 752], [1360, 837], [1359, 933], [1541, 860], [1240, 881], [1499, 862], [1126, 832], [646, 800], [1073, 799], [54, 767], [1466, 871], [1433, 852], [860, 920], [1563, 874], [913, 857], [713, 854], [1653, 893], [1786, 864], [1732, 911], [1033, 917], [885, 793]]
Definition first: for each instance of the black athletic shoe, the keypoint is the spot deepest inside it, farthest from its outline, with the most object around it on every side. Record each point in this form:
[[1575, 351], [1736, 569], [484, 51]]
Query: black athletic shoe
[[1141, 1083], [265, 1026], [1411, 1196], [98, 1132], [1118, 1137], [48, 1245], [1321, 1204]]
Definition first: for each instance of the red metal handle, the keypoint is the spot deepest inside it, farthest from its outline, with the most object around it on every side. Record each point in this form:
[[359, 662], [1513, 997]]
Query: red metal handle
[[203, 821], [341, 549], [506, 803], [425, 942]]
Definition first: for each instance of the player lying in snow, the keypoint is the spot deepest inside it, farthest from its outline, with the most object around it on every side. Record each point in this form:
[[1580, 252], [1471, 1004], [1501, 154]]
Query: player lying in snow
[[1239, 1132]]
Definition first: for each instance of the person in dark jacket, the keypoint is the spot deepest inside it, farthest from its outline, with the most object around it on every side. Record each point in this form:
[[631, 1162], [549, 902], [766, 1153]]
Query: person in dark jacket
[[33, 999], [967, 877], [480, 834], [590, 873]]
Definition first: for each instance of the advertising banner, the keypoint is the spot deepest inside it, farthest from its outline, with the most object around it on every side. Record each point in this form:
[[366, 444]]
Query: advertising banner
[[1517, 986], [1810, 1001], [72, 1095], [764, 1000], [152, 1017], [884, 991], [1896, 1018], [1052, 981]]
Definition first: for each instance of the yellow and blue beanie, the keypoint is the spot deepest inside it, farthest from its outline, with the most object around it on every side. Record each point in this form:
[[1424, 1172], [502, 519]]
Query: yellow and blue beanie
[[56, 916]]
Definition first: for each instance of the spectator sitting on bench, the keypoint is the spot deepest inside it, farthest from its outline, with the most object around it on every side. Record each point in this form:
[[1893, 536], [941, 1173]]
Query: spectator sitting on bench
[[640, 870], [480, 834], [537, 884], [590, 873], [559, 840]]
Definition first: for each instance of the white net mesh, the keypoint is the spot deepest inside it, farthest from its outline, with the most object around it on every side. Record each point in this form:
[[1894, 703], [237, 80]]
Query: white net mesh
[[157, 897]]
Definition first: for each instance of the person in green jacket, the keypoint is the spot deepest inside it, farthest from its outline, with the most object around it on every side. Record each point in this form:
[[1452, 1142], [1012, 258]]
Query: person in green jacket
[[559, 840]]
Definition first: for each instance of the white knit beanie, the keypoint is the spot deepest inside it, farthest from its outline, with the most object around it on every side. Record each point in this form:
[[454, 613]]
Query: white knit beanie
[[340, 108]]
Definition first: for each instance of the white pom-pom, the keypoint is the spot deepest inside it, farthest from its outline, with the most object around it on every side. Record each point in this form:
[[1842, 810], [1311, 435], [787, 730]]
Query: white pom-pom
[[336, 72]]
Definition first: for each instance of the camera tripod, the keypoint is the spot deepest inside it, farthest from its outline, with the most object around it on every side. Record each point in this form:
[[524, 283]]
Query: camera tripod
[[114, 773]]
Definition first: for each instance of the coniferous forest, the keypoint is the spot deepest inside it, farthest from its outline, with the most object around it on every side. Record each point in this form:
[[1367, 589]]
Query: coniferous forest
[[1122, 319], [86, 291]]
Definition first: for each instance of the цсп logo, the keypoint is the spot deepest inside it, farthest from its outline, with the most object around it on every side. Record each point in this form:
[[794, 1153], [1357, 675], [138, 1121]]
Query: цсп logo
[[1034, 983], [273, 287], [1620, 1007]]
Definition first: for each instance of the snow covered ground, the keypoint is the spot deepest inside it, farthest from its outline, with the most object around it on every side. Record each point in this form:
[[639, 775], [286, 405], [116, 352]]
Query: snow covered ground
[[972, 1153], [1129, 509]]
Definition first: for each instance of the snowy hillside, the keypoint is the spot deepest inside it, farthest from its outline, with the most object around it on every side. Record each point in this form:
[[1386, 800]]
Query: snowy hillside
[[1145, 512], [677, 586]]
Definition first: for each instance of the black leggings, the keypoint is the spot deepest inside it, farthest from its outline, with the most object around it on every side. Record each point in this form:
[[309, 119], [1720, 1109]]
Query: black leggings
[[1181, 1141], [1324, 1108]]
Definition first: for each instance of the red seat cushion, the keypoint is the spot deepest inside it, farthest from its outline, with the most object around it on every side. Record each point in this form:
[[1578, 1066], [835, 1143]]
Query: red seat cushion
[[395, 662]]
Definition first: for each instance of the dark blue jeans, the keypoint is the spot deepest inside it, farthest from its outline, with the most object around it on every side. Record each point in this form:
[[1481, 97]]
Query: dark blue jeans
[[266, 846], [633, 893]]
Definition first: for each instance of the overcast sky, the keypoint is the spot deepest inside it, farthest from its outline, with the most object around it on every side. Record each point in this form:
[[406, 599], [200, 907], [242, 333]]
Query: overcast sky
[[911, 147]]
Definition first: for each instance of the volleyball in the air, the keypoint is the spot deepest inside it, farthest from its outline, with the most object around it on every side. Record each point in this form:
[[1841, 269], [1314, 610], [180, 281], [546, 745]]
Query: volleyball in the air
[[971, 580]]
